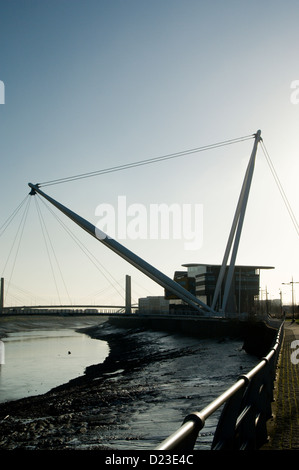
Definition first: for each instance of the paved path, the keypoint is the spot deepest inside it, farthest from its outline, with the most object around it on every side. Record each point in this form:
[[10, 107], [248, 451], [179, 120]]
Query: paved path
[[285, 430]]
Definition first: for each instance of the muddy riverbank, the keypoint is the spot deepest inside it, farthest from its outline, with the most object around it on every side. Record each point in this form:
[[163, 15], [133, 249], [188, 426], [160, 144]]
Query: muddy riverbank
[[138, 396]]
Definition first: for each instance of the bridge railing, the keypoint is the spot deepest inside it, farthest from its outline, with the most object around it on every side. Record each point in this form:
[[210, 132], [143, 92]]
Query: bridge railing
[[247, 408]]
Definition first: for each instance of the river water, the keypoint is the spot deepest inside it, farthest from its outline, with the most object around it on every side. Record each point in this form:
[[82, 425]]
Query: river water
[[36, 357], [149, 382]]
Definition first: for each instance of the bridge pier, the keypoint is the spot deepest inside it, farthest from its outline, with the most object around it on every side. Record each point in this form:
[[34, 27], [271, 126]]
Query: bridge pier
[[128, 294], [2, 295]]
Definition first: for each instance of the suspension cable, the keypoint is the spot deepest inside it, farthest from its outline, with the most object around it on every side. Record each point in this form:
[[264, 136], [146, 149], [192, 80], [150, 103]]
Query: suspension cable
[[281, 190], [8, 221], [113, 282], [20, 294], [45, 232], [19, 234], [147, 161]]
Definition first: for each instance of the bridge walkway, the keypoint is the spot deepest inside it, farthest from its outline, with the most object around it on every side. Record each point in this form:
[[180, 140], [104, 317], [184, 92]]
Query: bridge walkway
[[284, 428]]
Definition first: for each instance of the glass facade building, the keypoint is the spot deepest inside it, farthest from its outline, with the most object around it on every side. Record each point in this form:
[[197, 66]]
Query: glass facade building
[[201, 279]]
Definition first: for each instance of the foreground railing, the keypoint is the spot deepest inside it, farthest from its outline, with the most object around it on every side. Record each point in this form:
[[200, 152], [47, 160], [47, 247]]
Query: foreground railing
[[242, 424]]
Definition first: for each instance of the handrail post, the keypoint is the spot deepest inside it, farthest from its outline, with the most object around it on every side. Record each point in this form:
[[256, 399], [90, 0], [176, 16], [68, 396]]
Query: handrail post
[[185, 437], [199, 423], [224, 436]]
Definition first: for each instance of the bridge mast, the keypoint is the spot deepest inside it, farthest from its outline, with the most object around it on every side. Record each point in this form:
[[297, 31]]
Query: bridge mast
[[128, 255], [1, 294], [128, 294], [235, 232]]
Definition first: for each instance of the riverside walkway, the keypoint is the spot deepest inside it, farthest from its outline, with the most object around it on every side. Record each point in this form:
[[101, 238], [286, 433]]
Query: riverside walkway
[[284, 432]]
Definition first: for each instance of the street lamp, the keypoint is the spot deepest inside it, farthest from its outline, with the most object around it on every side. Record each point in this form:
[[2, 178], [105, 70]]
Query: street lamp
[[292, 284]]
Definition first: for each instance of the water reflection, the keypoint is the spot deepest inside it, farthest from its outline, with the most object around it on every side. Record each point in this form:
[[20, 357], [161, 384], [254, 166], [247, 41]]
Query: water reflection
[[38, 360]]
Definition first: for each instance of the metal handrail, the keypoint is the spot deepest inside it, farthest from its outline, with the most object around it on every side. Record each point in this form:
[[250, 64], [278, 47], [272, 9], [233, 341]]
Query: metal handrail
[[185, 437]]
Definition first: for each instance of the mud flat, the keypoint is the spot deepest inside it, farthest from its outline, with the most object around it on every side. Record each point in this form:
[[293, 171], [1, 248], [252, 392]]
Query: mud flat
[[138, 396], [16, 323], [257, 335]]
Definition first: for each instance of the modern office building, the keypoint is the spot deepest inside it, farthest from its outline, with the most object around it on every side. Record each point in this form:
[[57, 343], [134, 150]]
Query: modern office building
[[186, 281], [201, 279]]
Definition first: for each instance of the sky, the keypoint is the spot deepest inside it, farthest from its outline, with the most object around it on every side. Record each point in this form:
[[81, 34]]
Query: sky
[[96, 84]]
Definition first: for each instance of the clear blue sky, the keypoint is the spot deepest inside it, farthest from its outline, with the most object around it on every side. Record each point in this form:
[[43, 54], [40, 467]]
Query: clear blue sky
[[93, 84]]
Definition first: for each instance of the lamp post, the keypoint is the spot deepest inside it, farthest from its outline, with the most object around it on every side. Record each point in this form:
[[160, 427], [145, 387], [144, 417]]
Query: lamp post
[[292, 284]]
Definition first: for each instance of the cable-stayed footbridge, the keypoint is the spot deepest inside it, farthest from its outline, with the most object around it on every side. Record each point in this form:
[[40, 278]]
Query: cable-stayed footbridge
[[220, 303]]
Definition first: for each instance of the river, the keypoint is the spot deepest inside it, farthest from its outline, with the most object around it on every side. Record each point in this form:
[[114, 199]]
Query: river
[[134, 399], [38, 357]]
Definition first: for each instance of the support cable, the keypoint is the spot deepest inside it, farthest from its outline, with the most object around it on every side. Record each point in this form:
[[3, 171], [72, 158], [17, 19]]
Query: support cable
[[24, 294], [19, 234], [281, 190], [43, 228], [87, 253], [5, 225], [146, 162]]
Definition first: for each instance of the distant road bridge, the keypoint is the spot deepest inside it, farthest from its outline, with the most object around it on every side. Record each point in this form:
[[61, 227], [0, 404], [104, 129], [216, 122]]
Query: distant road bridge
[[86, 309]]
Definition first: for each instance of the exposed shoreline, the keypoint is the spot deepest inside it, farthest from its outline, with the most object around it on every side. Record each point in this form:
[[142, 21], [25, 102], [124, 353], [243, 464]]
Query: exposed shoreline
[[59, 418], [257, 335], [13, 323], [86, 412]]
